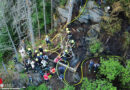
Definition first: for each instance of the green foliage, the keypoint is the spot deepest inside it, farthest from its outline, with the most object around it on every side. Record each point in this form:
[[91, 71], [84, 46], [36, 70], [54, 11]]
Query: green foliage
[[111, 25], [1, 56], [110, 67], [97, 85], [41, 16], [125, 76], [41, 87], [30, 88], [67, 87], [11, 65], [23, 76], [96, 47], [4, 44]]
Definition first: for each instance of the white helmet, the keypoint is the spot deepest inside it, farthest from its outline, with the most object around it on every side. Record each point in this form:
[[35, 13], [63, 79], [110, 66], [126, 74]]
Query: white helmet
[[108, 7]]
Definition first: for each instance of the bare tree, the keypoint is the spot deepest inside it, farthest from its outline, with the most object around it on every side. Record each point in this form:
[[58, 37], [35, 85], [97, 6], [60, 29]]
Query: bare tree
[[44, 13], [30, 25], [51, 14], [37, 20]]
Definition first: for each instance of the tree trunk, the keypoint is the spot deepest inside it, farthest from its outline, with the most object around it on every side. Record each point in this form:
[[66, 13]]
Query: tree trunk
[[71, 4], [30, 25], [17, 29], [44, 13], [38, 21], [51, 14]]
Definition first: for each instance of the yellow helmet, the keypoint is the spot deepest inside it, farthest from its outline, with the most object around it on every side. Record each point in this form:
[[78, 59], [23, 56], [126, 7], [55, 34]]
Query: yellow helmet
[[66, 50], [40, 46], [36, 51], [36, 59], [38, 55], [29, 49], [72, 41], [46, 36], [67, 29]]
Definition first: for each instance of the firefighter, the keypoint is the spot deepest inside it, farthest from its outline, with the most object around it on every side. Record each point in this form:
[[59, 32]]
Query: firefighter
[[53, 70], [33, 64], [61, 70], [26, 66], [39, 59], [47, 40], [36, 65], [65, 55], [36, 61], [41, 55], [72, 42], [41, 72], [45, 57], [46, 78], [69, 35], [44, 63], [28, 63], [29, 52], [40, 49], [30, 79], [96, 65], [35, 53], [91, 65]]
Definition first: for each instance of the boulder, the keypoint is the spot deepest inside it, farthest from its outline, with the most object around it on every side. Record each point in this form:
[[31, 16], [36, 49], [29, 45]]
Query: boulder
[[63, 20], [91, 4], [95, 15], [63, 12], [91, 12], [19, 67], [36, 79]]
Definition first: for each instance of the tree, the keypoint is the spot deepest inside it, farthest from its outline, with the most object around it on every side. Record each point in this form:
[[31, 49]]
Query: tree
[[125, 76], [44, 13], [110, 67], [110, 25], [38, 20], [97, 85], [31, 34], [7, 29], [96, 47]]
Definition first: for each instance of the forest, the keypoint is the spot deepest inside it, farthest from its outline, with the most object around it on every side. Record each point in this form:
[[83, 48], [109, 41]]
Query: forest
[[65, 44]]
